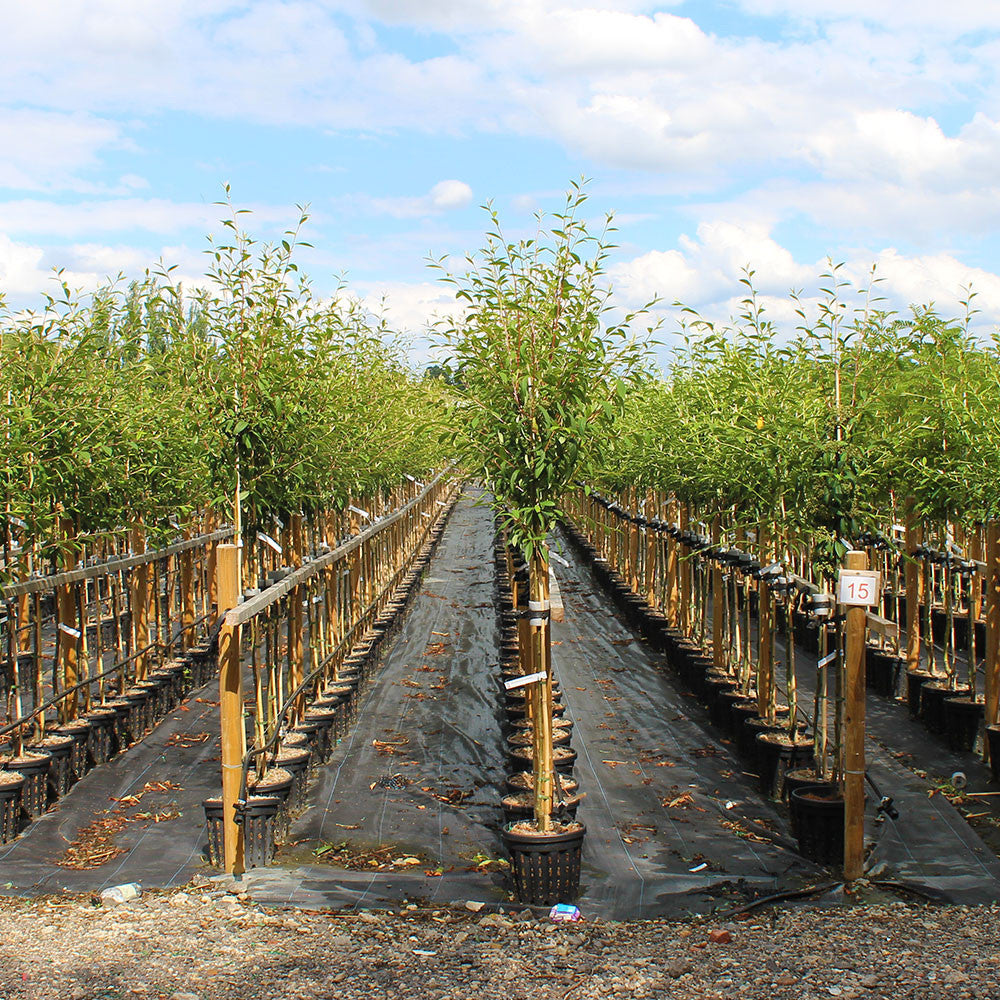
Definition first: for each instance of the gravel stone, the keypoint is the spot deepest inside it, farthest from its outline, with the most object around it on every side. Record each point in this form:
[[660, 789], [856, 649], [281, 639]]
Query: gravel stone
[[167, 946]]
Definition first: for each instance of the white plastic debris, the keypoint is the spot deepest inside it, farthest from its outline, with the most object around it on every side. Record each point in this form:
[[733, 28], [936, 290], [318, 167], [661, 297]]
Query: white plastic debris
[[121, 893]]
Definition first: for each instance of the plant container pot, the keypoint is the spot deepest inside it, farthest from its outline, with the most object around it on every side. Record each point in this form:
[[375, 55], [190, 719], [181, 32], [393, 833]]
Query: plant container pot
[[915, 680], [753, 726], [563, 759], [81, 732], [295, 760], [135, 727], [102, 735], [524, 781], [11, 783], [213, 826], [522, 806], [725, 705], [545, 867], [277, 784], [560, 738], [740, 712], [325, 738], [34, 765], [962, 719], [60, 750], [882, 670], [932, 699], [777, 754], [121, 733], [993, 743], [262, 828], [819, 823], [718, 684]]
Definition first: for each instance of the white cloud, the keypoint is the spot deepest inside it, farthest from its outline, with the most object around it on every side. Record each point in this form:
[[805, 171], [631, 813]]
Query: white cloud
[[445, 196]]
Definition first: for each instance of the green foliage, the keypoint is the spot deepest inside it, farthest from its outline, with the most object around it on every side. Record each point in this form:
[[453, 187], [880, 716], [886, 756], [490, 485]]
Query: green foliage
[[540, 366], [137, 405]]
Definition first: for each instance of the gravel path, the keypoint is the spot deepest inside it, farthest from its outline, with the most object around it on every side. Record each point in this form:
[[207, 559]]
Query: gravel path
[[206, 944]]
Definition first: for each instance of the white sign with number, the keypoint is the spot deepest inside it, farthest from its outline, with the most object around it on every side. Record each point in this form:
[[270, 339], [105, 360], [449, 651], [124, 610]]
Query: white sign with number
[[858, 587]]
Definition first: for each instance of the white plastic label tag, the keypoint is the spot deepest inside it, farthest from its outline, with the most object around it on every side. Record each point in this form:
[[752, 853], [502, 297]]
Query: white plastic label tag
[[516, 682], [268, 540], [858, 587]]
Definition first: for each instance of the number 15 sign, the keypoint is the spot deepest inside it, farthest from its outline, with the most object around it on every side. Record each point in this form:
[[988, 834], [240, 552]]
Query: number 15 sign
[[858, 587]]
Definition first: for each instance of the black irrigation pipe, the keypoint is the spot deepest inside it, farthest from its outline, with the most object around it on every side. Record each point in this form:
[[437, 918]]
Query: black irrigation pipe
[[115, 668], [345, 644]]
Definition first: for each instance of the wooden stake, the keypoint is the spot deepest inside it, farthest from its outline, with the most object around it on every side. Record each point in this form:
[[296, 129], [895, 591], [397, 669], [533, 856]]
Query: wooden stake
[[718, 601], [854, 732], [187, 595], [139, 603], [538, 594], [991, 585], [914, 538], [230, 706]]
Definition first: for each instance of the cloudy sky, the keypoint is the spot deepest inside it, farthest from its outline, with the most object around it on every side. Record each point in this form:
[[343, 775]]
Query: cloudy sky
[[723, 133]]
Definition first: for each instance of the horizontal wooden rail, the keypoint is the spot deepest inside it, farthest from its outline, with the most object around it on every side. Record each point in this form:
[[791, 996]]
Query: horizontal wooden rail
[[41, 584]]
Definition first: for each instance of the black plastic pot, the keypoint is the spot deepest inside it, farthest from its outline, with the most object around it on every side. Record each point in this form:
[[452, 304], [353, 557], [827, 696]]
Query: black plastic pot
[[776, 756], [135, 727], [753, 726], [325, 738], [60, 777], [915, 680], [521, 807], [102, 734], [882, 670], [10, 806], [34, 765], [545, 867], [962, 719], [718, 683], [213, 826], [295, 760], [262, 824], [819, 823], [519, 758], [80, 731], [932, 698], [993, 743], [523, 781]]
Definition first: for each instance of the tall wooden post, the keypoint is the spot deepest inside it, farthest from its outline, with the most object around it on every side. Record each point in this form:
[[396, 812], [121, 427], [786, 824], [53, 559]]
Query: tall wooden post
[[673, 588], [854, 731], [914, 538], [991, 586], [187, 595], [718, 600], [765, 649], [67, 670], [684, 573], [139, 604], [538, 600], [230, 706], [296, 668]]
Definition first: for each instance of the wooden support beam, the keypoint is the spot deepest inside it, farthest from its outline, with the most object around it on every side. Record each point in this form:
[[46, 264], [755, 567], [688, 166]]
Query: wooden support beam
[[914, 586], [230, 707], [718, 601], [991, 590], [854, 731]]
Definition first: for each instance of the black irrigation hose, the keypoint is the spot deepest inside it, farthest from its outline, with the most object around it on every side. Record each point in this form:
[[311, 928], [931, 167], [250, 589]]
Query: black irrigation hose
[[66, 692]]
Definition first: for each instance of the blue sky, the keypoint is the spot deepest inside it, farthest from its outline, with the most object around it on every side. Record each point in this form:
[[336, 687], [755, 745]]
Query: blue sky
[[768, 133]]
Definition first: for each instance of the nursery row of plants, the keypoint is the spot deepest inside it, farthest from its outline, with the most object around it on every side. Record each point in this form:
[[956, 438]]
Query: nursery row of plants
[[313, 639]]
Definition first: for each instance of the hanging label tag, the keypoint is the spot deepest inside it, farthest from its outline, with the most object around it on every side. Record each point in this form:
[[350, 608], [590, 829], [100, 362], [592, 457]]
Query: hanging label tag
[[360, 512], [269, 541], [516, 682], [555, 557], [829, 658], [424, 514], [406, 475], [74, 632], [440, 503]]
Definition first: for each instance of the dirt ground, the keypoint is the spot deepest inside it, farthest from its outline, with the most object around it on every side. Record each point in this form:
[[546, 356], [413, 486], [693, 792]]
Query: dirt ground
[[209, 943]]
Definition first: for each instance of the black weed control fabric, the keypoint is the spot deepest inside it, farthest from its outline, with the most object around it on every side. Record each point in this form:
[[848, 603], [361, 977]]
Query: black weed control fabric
[[146, 803], [672, 823]]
